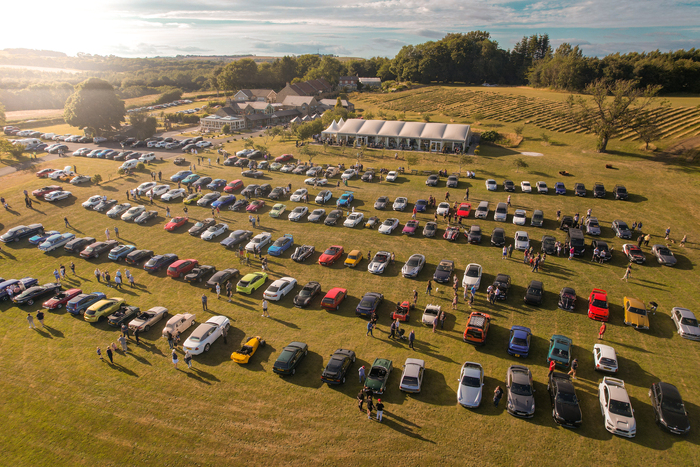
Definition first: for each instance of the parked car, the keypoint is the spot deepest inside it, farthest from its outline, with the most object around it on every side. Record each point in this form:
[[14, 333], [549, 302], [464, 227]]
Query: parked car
[[200, 272], [477, 328], [248, 349], [333, 298], [251, 282], [686, 323], [519, 341], [369, 304], [290, 358], [567, 299], [330, 255], [19, 232], [444, 270], [663, 255], [560, 351], [472, 276], [221, 277], [669, 410], [534, 293], [61, 298], [307, 294], [379, 262], [521, 393], [236, 237], [338, 366], [204, 336], [633, 253], [97, 248], [471, 383], [621, 230], [605, 358], [303, 252], [565, 407], [181, 267], [378, 375], [78, 304], [616, 407], [137, 256], [412, 377], [636, 314], [413, 266], [598, 305], [158, 262], [280, 288], [122, 314]]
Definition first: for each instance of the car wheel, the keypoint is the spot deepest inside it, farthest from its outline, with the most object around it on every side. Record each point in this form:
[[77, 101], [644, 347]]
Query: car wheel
[[306, 352], [353, 360], [206, 348], [146, 329], [343, 379], [179, 276], [30, 302], [294, 370], [59, 306], [262, 343], [193, 323]]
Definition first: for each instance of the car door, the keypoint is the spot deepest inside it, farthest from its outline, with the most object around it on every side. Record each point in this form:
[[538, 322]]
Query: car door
[[180, 326], [604, 399], [420, 378]]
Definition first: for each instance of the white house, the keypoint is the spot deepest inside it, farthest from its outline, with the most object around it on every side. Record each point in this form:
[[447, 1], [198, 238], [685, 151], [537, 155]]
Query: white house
[[214, 123]]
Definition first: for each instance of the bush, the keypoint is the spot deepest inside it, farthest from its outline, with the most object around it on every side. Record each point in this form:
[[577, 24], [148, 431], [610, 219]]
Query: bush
[[121, 171], [490, 136], [96, 179], [226, 129], [141, 167]]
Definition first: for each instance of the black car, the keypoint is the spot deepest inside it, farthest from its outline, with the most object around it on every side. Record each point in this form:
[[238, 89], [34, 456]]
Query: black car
[[508, 185], [252, 173], [498, 237], [200, 273], [303, 253], [29, 296], [276, 193], [579, 189], [221, 277], [202, 181], [290, 358], [239, 205], [338, 366], [502, 285], [599, 190], [381, 202], [367, 176], [104, 206], [566, 223], [565, 409], [249, 191], [78, 244], [255, 155], [263, 190], [146, 216], [15, 234], [97, 248], [474, 234], [236, 237], [620, 192], [197, 229], [604, 253], [369, 304], [669, 410], [186, 148], [304, 297], [549, 244], [231, 161], [159, 262], [443, 272], [123, 314], [136, 256], [534, 293], [333, 217], [242, 162], [567, 299]]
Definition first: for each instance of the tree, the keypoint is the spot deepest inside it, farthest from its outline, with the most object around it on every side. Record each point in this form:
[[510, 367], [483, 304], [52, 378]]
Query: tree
[[15, 150], [2, 114], [647, 125], [411, 160], [308, 151], [94, 105], [96, 179], [239, 74], [611, 108], [226, 129], [465, 160], [144, 125], [519, 130], [274, 132], [426, 117], [520, 164]]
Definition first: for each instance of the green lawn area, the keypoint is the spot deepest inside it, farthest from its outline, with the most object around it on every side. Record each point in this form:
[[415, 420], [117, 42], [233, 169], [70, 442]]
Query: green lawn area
[[64, 406]]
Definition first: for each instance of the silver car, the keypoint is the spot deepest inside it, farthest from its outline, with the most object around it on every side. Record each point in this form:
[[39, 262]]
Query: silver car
[[413, 266], [412, 377], [592, 226], [400, 203], [686, 323], [501, 213], [521, 394], [663, 255], [471, 382], [379, 262]]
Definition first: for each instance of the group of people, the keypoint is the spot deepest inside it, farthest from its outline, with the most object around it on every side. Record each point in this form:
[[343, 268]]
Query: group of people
[[366, 396], [118, 279]]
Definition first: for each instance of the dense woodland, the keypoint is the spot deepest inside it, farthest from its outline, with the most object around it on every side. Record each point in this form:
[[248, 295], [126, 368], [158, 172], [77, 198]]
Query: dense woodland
[[471, 58]]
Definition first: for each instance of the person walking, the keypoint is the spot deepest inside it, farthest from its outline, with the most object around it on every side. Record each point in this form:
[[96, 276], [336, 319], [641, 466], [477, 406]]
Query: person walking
[[552, 366], [668, 233], [170, 340], [40, 318], [370, 326], [601, 331], [136, 336], [30, 320], [218, 291], [429, 288], [110, 355], [204, 303], [264, 305], [72, 267], [380, 410], [454, 305], [361, 373], [125, 330], [229, 291], [466, 195], [392, 330], [65, 219], [131, 279], [497, 394], [628, 273], [411, 339], [122, 340], [505, 252], [510, 250], [118, 281], [175, 359], [415, 297], [57, 276], [360, 400], [99, 354], [574, 367], [685, 239], [571, 253], [107, 233], [167, 211], [443, 315], [116, 231], [508, 200], [647, 237], [370, 407], [188, 359]]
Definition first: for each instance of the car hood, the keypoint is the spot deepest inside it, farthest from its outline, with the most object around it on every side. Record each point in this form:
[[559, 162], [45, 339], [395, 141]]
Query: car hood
[[373, 266], [676, 420], [409, 269], [569, 412], [522, 403], [622, 423], [467, 395], [638, 320]]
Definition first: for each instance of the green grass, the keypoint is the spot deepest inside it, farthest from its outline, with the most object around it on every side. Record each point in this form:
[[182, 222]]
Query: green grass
[[67, 407]]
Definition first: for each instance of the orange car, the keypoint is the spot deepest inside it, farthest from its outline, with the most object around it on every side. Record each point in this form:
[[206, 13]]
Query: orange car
[[477, 328]]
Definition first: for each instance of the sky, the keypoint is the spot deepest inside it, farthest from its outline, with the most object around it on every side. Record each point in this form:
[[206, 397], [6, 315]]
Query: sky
[[361, 28]]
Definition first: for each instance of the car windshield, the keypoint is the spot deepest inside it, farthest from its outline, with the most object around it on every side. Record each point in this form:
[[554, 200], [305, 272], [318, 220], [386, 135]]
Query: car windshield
[[567, 398], [637, 311], [599, 303], [473, 272], [623, 409], [367, 302], [521, 389], [608, 361], [522, 238], [671, 404], [593, 223], [305, 292], [470, 381], [422, 202], [329, 252], [444, 267], [689, 322], [560, 353], [621, 190], [412, 262], [521, 341], [273, 288], [410, 381], [665, 252], [534, 291], [380, 259]]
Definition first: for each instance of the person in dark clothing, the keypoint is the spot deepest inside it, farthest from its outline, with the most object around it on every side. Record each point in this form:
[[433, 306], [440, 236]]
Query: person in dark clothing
[[110, 355], [380, 410], [204, 303], [125, 330], [370, 407], [224, 333], [497, 394], [360, 400], [136, 336], [411, 339]]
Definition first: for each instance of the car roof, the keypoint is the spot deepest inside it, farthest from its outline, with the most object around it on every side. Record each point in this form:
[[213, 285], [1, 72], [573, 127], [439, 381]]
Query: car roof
[[561, 340], [685, 313], [606, 351], [537, 284], [635, 302]]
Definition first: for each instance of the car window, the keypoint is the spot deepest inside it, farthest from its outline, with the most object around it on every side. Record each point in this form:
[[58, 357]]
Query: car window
[[621, 408]]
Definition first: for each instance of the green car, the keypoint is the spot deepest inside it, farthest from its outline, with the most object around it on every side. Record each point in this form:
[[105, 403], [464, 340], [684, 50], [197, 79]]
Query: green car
[[378, 375], [559, 351], [193, 198], [251, 282], [190, 179], [275, 166], [277, 210]]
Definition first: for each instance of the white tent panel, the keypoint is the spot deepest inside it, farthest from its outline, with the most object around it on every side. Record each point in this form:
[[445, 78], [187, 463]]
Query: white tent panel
[[433, 131], [412, 130]]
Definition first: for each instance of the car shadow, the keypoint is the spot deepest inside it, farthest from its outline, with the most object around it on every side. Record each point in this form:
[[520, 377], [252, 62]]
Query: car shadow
[[307, 374]]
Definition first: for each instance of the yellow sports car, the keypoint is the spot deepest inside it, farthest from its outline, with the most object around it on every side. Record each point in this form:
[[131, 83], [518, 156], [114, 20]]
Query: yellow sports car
[[248, 350], [354, 258], [103, 308], [636, 314]]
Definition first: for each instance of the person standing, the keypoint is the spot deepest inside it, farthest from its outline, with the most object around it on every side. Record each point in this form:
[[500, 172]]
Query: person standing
[[65, 219], [466, 195], [443, 315], [454, 306], [175, 359], [99, 354], [601, 331], [668, 233], [508, 200], [118, 281], [57, 276], [380, 410], [647, 237], [429, 288], [574, 367], [125, 330], [360, 399], [188, 359], [72, 267], [571, 253], [505, 252], [361, 373], [40, 318], [510, 250], [170, 341], [218, 291], [370, 407], [229, 291], [392, 330], [110, 355], [370, 326], [107, 233], [628, 273], [204, 303], [122, 340], [116, 231], [167, 211], [136, 336], [685, 239], [30, 320], [264, 305], [131, 279], [497, 394], [411, 339], [415, 297], [552, 366], [435, 322]]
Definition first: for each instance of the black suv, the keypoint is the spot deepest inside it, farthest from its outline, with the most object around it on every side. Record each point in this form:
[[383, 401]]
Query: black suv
[[620, 192]]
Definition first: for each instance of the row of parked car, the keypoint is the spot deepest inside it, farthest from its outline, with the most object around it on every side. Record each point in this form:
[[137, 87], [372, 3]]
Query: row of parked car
[[619, 191]]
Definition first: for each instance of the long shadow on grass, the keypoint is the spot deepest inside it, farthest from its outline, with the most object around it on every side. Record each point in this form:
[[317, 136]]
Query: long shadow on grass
[[399, 424], [307, 374], [124, 369]]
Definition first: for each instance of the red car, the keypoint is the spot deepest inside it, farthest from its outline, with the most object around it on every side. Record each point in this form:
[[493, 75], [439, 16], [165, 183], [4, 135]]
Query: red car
[[464, 209], [284, 158], [43, 173], [181, 267], [175, 222], [255, 205], [451, 233], [56, 302], [598, 305], [330, 255], [233, 186], [402, 312], [334, 298], [46, 190], [411, 227]]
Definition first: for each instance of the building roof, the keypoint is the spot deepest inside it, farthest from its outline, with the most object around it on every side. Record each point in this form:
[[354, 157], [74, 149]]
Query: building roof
[[295, 120], [391, 128], [257, 92], [297, 100], [258, 116], [398, 129], [411, 130], [286, 113], [257, 105], [370, 127], [332, 102], [348, 78]]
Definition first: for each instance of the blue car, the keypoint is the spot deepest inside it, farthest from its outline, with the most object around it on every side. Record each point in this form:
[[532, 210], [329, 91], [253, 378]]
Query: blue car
[[369, 303], [223, 201], [559, 188], [421, 205], [78, 305], [281, 245], [345, 199], [14, 283], [217, 184], [191, 179], [120, 252], [38, 239], [180, 176], [519, 341]]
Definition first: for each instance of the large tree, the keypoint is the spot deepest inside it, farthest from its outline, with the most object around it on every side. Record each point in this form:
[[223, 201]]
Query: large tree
[[2, 114], [240, 74], [95, 106], [144, 125], [611, 107]]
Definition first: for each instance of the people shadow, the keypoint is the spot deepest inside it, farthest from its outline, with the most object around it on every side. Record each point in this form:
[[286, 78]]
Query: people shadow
[[286, 323], [9, 255], [54, 332], [124, 370], [403, 426], [44, 333], [139, 358]]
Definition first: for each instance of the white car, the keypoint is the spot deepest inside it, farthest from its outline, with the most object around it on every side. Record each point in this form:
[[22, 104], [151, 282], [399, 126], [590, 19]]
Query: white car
[[519, 217], [280, 288], [160, 190], [60, 173], [258, 242], [152, 144], [412, 377], [400, 203], [348, 174], [686, 323], [522, 240], [149, 156], [133, 213], [57, 195], [542, 188], [172, 145], [472, 276], [178, 323], [354, 219], [298, 213], [443, 209], [316, 181], [99, 139], [79, 179], [526, 187], [298, 195], [174, 194], [616, 407], [379, 262], [471, 382], [206, 334], [79, 152], [391, 176], [430, 314], [287, 168], [92, 201], [203, 144], [56, 241], [388, 226], [214, 231], [324, 196], [491, 184], [605, 358], [144, 187]]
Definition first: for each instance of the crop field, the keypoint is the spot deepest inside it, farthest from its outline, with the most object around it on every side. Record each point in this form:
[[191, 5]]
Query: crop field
[[544, 109], [63, 406]]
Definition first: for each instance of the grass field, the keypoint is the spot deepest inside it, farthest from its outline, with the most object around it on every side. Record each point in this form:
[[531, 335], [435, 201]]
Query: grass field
[[64, 406]]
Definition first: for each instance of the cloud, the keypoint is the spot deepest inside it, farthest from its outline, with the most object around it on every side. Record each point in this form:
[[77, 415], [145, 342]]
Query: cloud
[[431, 34], [388, 43], [299, 48]]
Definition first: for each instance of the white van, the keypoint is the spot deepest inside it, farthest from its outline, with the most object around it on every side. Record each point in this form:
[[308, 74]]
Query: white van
[[127, 165], [482, 211], [28, 143]]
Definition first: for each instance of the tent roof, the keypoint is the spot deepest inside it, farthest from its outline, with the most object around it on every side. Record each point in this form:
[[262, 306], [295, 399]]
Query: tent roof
[[456, 132], [412, 130], [295, 120], [332, 128], [391, 128], [433, 131], [370, 127], [351, 127]]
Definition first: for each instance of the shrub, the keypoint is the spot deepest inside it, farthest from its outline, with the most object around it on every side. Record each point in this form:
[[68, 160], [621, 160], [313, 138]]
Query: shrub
[[490, 136], [141, 167], [96, 179], [121, 171], [226, 129]]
